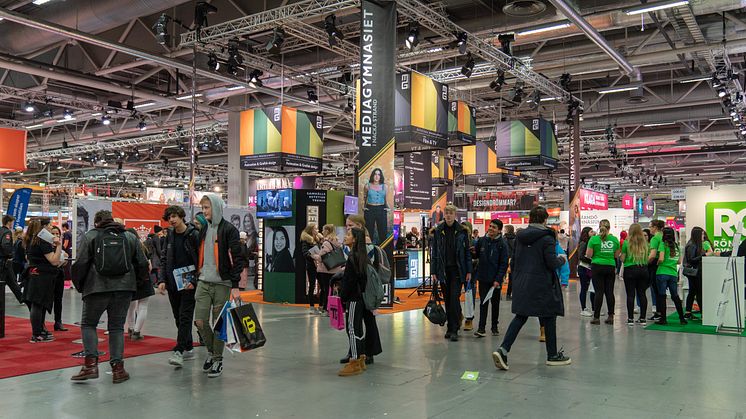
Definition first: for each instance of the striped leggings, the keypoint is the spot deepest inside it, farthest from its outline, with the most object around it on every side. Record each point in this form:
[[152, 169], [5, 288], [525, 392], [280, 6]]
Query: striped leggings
[[355, 328]]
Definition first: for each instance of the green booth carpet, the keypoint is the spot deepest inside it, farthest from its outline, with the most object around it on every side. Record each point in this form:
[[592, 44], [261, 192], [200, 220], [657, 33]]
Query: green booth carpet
[[694, 326]]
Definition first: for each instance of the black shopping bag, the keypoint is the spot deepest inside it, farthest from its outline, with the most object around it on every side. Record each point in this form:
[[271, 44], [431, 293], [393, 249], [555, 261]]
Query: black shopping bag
[[434, 311], [247, 327]]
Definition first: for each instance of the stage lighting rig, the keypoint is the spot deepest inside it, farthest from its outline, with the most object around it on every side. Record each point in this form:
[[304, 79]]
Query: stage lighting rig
[[468, 68], [413, 36], [330, 26], [201, 10], [274, 46], [497, 84], [506, 43]]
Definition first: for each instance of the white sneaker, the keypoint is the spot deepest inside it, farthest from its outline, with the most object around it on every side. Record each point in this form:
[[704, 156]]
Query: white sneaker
[[586, 313], [188, 354], [216, 370], [177, 359]]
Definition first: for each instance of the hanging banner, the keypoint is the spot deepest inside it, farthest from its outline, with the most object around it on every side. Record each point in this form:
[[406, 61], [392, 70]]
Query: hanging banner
[[678, 194], [462, 124], [441, 168], [442, 195], [18, 206], [574, 196], [13, 157], [501, 201], [628, 202], [528, 144], [592, 200], [480, 166], [375, 120], [421, 121], [418, 180], [648, 207]]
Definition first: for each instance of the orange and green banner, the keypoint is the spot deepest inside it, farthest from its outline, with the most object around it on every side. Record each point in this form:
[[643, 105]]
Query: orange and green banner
[[421, 121], [480, 166], [462, 124], [528, 144]]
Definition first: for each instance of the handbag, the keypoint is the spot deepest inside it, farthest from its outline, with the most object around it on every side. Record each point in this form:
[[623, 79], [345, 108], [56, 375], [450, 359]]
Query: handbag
[[334, 259], [336, 311], [690, 271], [247, 327], [434, 311]]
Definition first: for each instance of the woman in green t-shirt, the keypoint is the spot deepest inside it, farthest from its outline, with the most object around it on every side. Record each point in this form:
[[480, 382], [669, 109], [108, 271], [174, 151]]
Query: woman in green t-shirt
[[603, 249], [636, 279], [697, 247], [667, 275]]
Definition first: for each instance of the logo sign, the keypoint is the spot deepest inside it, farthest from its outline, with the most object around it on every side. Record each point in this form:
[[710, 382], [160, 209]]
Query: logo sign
[[678, 194], [648, 207], [592, 200], [249, 324], [628, 202], [607, 244], [721, 221]]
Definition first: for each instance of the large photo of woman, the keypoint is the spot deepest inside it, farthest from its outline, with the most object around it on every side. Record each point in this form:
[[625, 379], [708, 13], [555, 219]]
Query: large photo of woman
[[279, 248], [376, 209]]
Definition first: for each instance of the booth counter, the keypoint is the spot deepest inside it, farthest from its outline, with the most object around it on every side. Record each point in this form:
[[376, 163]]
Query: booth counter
[[714, 271], [408, 268]]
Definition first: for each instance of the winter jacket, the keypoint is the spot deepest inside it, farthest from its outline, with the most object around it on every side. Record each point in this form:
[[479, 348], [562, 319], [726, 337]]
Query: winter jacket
[[230, 263], [493, 258], [191, 247], [438, 256], [536, 288], [510, 240], [583, 260], [353, 283], [156, 246], [85, 265], [6, 243], [305, 248]]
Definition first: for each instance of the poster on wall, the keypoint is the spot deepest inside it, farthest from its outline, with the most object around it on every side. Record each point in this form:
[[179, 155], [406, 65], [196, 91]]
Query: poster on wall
[[165, 196], [442, 195], [421, 113], [244, 219], [528, 144], [85, 211], [279, 249], [500, 201], [620, 219], [462, 124], [418, 180]]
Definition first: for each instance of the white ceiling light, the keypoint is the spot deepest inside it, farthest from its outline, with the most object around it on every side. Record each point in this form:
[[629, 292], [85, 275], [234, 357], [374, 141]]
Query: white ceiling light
[[657, 124], [543, 28], [40, 2], [617, 89], [34, 126], [188, 96], [696, 79], [651, 7], [235, 88], [144, 105]]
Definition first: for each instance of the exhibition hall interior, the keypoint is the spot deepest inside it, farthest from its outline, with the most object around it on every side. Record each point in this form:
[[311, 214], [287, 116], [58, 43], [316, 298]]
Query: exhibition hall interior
[[312, 208]]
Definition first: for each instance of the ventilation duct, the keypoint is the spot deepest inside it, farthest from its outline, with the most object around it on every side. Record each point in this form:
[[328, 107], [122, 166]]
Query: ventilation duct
[[524, 8]]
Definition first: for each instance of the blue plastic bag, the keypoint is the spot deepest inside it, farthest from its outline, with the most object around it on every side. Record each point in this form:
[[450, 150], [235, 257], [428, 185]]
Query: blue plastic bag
[[563, 272]]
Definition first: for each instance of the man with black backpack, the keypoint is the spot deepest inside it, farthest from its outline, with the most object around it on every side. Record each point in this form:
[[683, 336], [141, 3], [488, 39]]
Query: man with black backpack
[[179, 259], [110, 262], [492, 252], [6, 257]]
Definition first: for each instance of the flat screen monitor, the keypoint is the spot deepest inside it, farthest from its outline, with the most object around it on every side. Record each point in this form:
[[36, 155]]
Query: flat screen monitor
[[351, 205], [274, 203]]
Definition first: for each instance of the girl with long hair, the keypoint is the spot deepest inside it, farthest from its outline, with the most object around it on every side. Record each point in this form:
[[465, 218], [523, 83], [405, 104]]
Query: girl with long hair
[[603, 249], [353, 284], [584, 271], [697, 247], [376, 218], [44, 258], [667, 275], [329, 243], [635, 259], [309, 240], [59, 288], [280, 260]]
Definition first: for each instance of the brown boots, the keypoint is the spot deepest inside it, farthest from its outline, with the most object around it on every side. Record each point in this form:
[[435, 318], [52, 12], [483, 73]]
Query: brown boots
[[542, 335], [354, 367], [89, 370]]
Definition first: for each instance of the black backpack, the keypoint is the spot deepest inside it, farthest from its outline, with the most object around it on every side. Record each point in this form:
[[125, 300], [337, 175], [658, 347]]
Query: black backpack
[[112, 257]]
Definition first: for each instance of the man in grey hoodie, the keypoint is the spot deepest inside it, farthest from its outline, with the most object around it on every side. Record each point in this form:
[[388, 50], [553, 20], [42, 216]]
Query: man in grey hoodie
[[219, 271]]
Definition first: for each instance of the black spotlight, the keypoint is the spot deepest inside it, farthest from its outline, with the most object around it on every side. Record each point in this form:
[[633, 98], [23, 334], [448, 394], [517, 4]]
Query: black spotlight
[[349, 107], [468, 68], [254, 80], [517, 94], [722, 92], [506, 43], [235, 59], [313, 98], [212, 62], [201, 10], [160, 28], [564, 81], [460, 42], [586, 147], [535, 101], [330, 25], [274, 46], [498, 83], [413, 37]]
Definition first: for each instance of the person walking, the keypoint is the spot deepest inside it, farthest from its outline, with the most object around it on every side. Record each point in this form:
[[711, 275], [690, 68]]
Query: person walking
[[59, 283], [584, 272], [109, 265], [329, 244], [470, 298], [219, 271], [537, 291], [180, 253], [309, 244], [6, 257], [667, 275], [353, 283], [656, 227], [634, 257], [696, 248], [492, 252], [138, 309], [450, 265], [603, 249], [510, 240]]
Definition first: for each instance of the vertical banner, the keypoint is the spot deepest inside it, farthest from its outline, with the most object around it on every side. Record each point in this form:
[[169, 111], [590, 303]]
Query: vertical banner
[[418, 180], [18, 206], [376, 124], [574, 192]]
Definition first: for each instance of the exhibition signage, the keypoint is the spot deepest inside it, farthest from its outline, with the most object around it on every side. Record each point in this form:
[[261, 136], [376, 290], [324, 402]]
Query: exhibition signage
[[620, 219], [163, 195], [592, 200], [574, 195], [18, 206], [13, 156], [480, 166], [501, 201], [678, 194], [462, 124], [442, 170], [648, 206], [421, 121], [628, 202], [375, 122], [722, 220], [418, 180], [281, 139], [528, 144]]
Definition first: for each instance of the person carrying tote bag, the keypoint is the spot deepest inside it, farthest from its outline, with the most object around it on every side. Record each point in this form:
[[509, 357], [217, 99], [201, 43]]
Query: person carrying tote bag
[[329, 246]]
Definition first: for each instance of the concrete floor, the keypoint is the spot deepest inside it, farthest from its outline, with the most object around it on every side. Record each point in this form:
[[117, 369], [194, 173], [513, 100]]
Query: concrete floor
[[617, 372]]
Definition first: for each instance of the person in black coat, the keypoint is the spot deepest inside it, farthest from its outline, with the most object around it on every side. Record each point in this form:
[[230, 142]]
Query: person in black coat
[[536, 291]]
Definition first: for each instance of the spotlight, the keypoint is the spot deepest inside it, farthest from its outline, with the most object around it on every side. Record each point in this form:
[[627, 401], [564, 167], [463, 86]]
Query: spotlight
[[506, 40], [733, 111], [274, 46], [142, 126], [586, 147], [234, 58], [64, 144], [468, 68], [497, 84], [743, 129], [349, 107], [535, 99], [721, 92], [715, 81], [49, 113], [254, 80], [160, 28], [212, 62], [461, 39], [29, 107], [564, 81], [517, 94], [330, 25], [201, 10], [413, 38], [67, 114], [313, 98], [106, 120]]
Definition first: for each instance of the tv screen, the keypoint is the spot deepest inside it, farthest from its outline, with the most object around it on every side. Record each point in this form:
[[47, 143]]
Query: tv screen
[[350, 205], [274, 203]]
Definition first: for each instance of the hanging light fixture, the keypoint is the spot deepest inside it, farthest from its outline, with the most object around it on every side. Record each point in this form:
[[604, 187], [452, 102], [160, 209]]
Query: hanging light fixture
[[413, 37]]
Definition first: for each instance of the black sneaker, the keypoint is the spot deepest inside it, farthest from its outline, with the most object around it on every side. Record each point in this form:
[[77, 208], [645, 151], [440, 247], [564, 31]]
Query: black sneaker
[[480, 334], [683, 321], [454, 337], [655, 316], [495, 332], [642, 321], [630, 322], [207, 366], [216, 370], [447, 335], [559, 360], [41, 339], [500, 358], [661, 322]]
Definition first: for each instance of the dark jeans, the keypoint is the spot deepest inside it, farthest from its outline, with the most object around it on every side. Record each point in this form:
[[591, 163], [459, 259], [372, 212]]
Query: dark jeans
[[37, 315], [451, 295], [635, 283], [324, 280], [376, 222], [652, 268], [115, 304], [484, 288], [8, 275], [695, 291], [603, 278], [584, 274], [182, 306], [670, 283], [372, 337], [550, 332], [311, 285], [59, 292]]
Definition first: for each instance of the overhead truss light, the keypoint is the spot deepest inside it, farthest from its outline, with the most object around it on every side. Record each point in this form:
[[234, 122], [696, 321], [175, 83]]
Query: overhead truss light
[[506, 43], [330, 26], [106, 120], [313, 98], [468, 68], [274, 46], [160, 29], [461, 39], [498, 83], [652, 7], [201, 10], [67, 114], [617, 89], [553, 26], [235, 59], [413, 36], [212, 61], [29, 107], [40, 2], [254, 80]]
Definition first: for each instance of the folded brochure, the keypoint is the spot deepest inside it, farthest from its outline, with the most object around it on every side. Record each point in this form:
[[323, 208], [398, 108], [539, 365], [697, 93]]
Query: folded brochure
[[184, 276]]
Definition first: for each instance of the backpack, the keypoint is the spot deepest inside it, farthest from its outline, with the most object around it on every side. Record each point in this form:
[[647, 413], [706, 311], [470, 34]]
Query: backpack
[[373, 294], [381, 265], [111, 255]]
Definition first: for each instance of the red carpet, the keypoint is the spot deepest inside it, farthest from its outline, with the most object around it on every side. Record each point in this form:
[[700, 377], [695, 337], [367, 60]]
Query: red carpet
[[19, 357]]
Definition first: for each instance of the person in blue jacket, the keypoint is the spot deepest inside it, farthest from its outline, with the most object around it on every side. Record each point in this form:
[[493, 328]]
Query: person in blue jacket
[[492, 252]]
